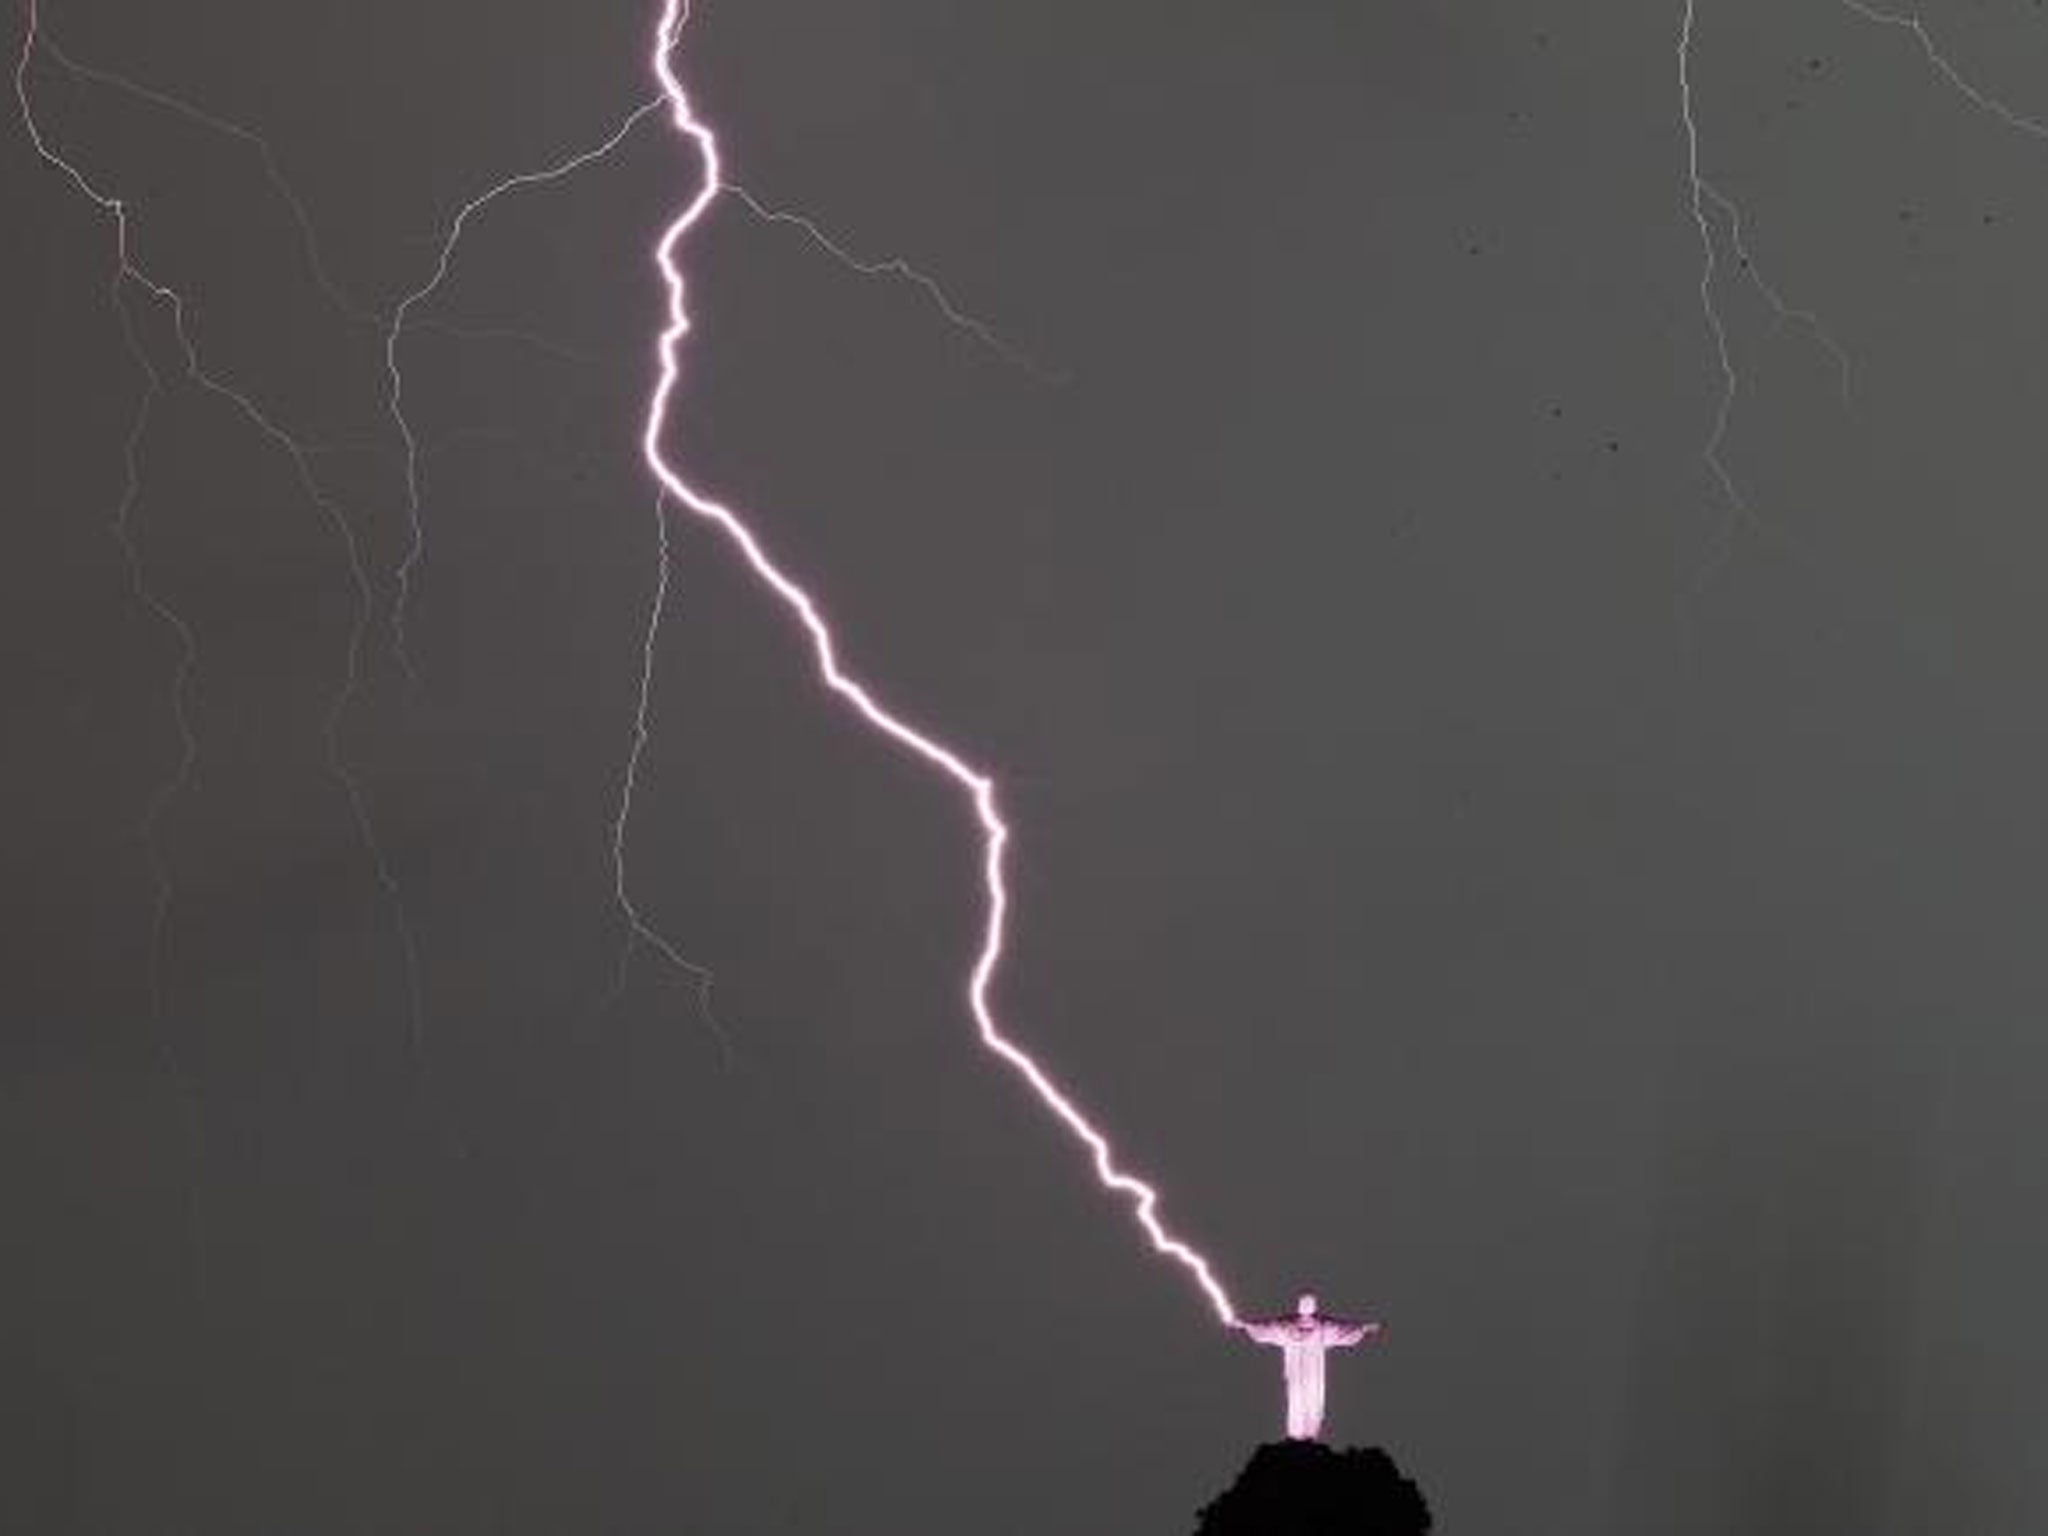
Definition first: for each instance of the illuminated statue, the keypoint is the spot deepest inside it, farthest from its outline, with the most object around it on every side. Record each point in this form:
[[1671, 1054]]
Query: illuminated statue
[[1302, 1339]]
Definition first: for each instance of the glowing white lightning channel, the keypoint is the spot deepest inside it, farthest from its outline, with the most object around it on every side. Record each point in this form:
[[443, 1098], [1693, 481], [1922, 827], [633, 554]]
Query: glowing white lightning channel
[[166, 793], [127, 271], [978, 786], [1699, 193], [174, 784], [1942, 65], [392, 328], [1805, 318], [638, 930], [894, 266], [415, 549], [272, 171], [1724, 408], [885, 267], [405, 313]]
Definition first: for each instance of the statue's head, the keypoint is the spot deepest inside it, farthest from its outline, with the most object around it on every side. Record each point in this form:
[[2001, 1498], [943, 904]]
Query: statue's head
[[1306, 1307]]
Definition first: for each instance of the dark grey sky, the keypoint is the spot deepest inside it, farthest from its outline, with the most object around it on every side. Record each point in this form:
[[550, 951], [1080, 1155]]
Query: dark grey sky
[[1474, 873]]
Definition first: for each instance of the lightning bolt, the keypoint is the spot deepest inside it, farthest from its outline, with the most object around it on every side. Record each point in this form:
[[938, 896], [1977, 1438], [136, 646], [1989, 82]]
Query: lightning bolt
[[1704, 191], [638, 930], [1696, 200], [1807, 319], [1699, 194], [897, 267], [1942, 65], [976, 786], [167, 791], [174, 784], [127, 273], [390, 328], [886, 267], [272, 171], [1916, 639], [394, 334], [973, 784]]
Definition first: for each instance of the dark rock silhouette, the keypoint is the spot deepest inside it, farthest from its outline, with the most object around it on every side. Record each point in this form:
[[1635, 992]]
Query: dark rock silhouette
[[1304, 1488]]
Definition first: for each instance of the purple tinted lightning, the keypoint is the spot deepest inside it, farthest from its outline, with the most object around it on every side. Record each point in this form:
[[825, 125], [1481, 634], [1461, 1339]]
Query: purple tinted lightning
[[976, 785]]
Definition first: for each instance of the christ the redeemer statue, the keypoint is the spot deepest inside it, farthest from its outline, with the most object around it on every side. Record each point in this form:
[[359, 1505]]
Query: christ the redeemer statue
[[1302, 1340]]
